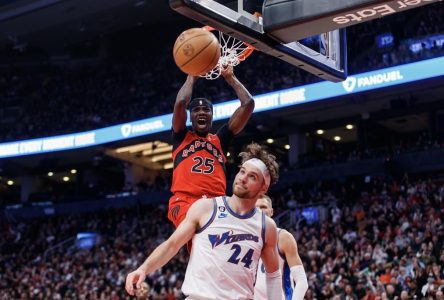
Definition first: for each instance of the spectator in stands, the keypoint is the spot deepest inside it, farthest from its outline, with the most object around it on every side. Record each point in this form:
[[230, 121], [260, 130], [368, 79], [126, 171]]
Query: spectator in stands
[[359, 257]]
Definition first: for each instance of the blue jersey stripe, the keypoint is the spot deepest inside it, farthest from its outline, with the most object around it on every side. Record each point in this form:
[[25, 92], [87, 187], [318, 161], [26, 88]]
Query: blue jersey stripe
[[212, 217], [263, 228], [286, 280], [246, 216], [277, 245]]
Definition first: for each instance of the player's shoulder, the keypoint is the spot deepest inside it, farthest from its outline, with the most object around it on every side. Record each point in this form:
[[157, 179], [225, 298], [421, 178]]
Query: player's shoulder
[[224, 131], [286, 240], [202, 205], [284, 234], [180, 136], [202, 210], [270, 226]]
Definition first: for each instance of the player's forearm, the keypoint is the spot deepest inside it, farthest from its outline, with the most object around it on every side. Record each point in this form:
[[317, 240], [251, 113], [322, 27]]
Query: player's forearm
[[242, 93], [182, 100], [301, 283], [274, 284], [159, 257], [185, 92]]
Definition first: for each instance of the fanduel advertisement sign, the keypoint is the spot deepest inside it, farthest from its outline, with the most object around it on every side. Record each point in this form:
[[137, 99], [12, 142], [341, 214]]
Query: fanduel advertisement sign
[[323, 90], [353, 84], [87, 139], [372, 80]]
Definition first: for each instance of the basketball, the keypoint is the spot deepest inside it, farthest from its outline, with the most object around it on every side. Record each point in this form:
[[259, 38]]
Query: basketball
[[196, 51]]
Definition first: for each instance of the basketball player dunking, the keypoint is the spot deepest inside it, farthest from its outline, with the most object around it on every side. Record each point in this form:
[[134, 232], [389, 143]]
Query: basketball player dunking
[[199, 156], [294, 283], [229, 236]]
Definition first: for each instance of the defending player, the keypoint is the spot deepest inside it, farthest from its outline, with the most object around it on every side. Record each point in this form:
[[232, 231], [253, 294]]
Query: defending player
[[294, 283], [229, 236], [199, 156]]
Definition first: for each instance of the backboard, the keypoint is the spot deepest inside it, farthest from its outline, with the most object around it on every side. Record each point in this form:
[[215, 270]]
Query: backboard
[[323, 55], [293, 30]]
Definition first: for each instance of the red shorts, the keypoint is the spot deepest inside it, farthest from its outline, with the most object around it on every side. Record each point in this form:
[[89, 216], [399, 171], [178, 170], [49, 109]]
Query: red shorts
[[178, 207]]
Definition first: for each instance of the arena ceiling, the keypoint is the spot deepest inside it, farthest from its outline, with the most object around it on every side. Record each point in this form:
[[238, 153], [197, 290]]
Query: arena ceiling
[[57, 23]]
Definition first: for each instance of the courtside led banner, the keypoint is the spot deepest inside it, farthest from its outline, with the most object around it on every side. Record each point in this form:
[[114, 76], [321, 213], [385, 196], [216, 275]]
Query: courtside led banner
[[313, 92]]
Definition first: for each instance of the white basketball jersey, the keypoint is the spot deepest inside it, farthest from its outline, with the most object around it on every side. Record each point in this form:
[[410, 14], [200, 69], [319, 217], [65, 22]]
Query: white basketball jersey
[[225, 255], [260, 289]]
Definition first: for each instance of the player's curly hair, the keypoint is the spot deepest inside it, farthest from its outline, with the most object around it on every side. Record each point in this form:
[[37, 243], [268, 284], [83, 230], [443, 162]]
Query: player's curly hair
[[256, 151]]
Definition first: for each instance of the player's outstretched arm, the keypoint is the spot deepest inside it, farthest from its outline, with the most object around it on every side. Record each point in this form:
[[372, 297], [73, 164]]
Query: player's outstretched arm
[[180, 106], [168, 249], [270, 259], [289, 247], [243, 113]]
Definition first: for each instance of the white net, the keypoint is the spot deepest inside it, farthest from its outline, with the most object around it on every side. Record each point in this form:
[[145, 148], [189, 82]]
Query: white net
[[232, 52]]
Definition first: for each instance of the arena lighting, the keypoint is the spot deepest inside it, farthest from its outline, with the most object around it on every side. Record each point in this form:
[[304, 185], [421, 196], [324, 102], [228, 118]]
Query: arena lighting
[[10, 182], [50, 174], [168, 166], [65, 178], [270, 141], [151, 146], [349, 126], [357, 83], [161, 157], [287, 147], [168, 148], [147, 148], [135, 148], [228, 154], [73, 171], [337, 138], [320, 131]]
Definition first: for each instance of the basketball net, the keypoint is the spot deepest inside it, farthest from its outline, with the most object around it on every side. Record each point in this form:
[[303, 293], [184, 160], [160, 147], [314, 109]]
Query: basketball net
[[232, 53]]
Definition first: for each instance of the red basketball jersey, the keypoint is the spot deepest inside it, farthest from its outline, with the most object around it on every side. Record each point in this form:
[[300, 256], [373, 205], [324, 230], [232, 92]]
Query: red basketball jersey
[[199, 167]]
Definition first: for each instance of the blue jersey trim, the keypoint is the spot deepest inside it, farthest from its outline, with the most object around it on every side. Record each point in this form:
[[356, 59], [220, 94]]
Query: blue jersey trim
[[286, 282], [246, 216], [277, 245], [211, 219], [263, 228]]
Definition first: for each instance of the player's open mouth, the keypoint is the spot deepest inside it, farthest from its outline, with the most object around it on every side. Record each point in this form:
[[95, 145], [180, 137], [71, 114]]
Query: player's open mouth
[[202, 121]]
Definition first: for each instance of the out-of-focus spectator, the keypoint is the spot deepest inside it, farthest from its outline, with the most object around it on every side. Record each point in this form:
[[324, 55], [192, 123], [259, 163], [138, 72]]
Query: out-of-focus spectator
[[376, 250]]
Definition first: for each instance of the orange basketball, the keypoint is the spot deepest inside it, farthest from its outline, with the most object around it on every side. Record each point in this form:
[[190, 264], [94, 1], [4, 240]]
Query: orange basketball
[[196, 51]]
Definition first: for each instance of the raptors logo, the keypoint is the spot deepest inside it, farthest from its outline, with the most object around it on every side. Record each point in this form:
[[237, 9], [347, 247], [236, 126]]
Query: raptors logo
[[175, 211]]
